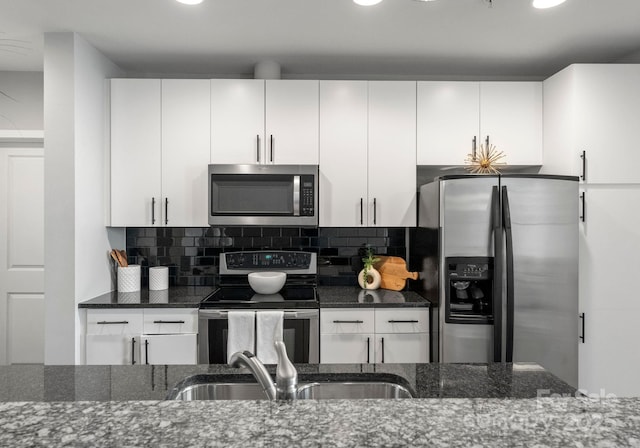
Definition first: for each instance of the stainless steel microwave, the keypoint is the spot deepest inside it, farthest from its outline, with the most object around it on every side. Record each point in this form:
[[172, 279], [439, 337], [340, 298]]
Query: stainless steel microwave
[[263, 195]]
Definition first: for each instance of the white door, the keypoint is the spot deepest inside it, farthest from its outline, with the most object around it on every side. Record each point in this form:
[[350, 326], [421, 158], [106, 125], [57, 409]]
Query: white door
[[609, 246], [185, 151], [21, 255], [112, 349], [402, 348], [448, 121], [607, 116], [511, 116], [135, 152], [169, 349], [343, 153], [237, 121], [291, 121], [346, 348], [392, 154]]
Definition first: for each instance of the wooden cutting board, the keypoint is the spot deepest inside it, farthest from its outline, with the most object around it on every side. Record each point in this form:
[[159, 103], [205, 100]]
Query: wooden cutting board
[[393, 272]]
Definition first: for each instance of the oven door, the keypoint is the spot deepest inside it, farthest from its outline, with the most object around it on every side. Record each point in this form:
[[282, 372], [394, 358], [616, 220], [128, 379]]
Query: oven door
[[300, 332]]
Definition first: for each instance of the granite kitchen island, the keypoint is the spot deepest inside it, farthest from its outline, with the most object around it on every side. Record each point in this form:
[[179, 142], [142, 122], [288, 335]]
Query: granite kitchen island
[[458, 405]]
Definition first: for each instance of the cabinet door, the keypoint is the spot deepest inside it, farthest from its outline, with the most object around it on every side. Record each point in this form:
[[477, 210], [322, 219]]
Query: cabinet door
[[402, 320], [237, 121], [392, 154], [402, 347], [448, 121], [112, 349], [291, 119], [609, 247], [343, 153], [169, 349], [346, 348], [135, 152], [607, 117], [511, 116], [347, 320], [185, 151]]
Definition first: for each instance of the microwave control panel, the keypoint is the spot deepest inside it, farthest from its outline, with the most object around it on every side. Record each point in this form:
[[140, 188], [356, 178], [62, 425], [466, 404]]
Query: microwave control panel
[[307, 196]]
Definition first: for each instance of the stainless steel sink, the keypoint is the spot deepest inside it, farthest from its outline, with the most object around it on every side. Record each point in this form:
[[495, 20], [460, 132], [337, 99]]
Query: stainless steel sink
[[310, 387]]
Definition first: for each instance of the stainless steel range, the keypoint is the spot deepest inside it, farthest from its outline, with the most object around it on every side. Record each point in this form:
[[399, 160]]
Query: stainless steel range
[[298, 299]]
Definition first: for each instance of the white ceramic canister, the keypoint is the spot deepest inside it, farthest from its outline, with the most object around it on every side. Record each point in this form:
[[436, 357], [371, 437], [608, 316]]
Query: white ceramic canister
[[129, 278], [158, 278]]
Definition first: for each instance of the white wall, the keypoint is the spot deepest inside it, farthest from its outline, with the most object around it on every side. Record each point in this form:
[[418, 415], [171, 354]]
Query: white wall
[[21, 101], [76, 241]]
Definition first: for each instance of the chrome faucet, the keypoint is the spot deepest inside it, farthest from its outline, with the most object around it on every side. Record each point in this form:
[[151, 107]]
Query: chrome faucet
[[286, 384]]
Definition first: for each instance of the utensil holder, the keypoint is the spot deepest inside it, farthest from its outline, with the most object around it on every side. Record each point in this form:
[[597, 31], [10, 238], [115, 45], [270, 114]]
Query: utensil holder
[[129, 278], [158, 278]]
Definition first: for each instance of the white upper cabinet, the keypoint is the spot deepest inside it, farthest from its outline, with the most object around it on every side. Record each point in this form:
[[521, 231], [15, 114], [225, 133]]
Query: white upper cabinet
[[264, 122], [159, 152], [511, 117], [392, 154], [447, 121], [343, 153], [135, 152], [291, 121], [185, 152], [367, 153], [593, 108], [456, 117], [237, 121]]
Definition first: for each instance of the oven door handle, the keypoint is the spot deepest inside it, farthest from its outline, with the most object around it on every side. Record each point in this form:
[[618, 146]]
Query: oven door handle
[[288, 314]]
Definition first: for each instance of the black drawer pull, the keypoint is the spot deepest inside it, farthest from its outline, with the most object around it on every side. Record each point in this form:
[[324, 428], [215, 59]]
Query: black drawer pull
[[106, 322], [168, 321], [404, 321], [348, 321]]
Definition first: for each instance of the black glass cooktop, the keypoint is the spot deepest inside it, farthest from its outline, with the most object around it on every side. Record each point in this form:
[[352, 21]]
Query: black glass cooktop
[[243, 296]]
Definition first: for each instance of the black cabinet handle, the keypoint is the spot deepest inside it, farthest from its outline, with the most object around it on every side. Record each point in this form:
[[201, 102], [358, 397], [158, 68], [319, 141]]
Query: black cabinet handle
[[368, 350], [168, 321], [374, 211], [583, 199], [133, 351], [474, 148], [271, 141], [361, 212], [382, 341], [166, 211], [113, 322], [153, 211], [486, 141], [583, 156], [258, 148], [404, 321], [583, 326], [348, 321], [146, 351]]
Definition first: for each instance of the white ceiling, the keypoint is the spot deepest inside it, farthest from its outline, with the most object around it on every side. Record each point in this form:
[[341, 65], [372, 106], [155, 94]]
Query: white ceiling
[[325, 38]]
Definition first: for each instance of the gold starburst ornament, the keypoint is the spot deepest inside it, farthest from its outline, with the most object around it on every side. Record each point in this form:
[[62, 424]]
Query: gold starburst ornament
[[486, 161]]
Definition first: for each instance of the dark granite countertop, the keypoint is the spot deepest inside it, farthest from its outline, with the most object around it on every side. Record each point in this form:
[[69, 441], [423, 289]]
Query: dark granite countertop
[[174, 297], [505, 405], [354, 297]]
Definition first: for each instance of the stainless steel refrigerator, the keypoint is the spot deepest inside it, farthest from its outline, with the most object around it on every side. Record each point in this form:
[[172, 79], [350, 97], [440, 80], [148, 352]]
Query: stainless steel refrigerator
[[502, 259]]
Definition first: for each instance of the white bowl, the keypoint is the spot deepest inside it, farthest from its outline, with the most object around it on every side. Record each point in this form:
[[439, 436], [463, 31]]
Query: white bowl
[[268, 282]]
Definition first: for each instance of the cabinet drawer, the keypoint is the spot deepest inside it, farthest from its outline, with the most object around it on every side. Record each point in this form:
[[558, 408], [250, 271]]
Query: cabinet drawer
[[346, 320], [112, 322], [406, 320], [170, 321]]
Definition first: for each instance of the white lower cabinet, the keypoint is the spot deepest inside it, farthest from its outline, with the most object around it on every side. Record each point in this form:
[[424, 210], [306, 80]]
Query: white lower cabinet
[[142, 336], [369, 335]]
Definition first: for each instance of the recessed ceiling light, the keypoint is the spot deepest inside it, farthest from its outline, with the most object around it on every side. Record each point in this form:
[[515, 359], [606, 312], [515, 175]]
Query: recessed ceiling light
[[541, 4], [366, 2], [190, 2]]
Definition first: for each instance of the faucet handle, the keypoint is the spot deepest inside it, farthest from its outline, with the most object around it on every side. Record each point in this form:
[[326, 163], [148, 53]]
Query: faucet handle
[[286, 374]]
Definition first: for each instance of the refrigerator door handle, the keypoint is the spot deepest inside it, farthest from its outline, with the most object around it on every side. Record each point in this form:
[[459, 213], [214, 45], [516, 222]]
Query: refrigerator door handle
[[506, 217], [497, 279]]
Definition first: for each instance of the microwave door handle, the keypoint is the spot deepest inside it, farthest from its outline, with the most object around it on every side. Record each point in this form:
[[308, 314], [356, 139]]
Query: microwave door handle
[[296, 195]]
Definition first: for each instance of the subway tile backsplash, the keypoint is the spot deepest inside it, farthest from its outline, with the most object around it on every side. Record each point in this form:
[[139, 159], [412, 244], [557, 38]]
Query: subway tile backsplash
[[193, 254]]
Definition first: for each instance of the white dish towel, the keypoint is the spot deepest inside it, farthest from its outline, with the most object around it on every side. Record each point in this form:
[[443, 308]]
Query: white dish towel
[[242, 332], [269, 330]]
